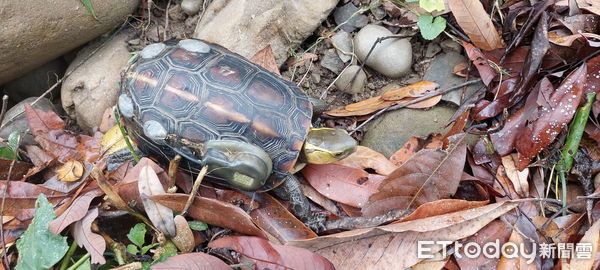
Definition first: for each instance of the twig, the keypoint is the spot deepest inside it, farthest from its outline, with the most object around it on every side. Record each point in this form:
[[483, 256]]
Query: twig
[[4, 251], [195, 188], [4, 107], [166, 20], [416, 100]]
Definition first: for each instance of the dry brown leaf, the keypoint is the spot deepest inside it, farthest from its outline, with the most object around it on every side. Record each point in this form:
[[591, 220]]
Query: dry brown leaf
[[496, 230], [592, 236], [367, 158], [518, 178], [413, 145], [93, 243], [197, 260], [211, 211], [269, 255], [429, 175], [390, 98], [70, 171], [160, 215], [266, 59], [521, 263], [75, 212], [441, 207], [476, 23], [273, 218], [342, 184], [394, 246], [417, 89]]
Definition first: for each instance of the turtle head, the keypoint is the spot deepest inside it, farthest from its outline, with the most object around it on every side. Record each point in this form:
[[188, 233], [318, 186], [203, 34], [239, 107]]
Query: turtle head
[[327, 145]]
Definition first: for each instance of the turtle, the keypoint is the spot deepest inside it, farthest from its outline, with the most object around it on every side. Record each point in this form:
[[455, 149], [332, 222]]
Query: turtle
[[249, 126]]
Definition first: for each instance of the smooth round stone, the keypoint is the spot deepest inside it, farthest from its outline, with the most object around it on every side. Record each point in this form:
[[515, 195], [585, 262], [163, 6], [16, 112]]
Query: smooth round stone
[[347, 85], [391, 57], [194, 45], [154, 130], [125, 106], [191, 7], [152, 50]]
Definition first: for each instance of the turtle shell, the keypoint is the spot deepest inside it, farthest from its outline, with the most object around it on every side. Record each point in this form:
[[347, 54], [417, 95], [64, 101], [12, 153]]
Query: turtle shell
[[200, 91]]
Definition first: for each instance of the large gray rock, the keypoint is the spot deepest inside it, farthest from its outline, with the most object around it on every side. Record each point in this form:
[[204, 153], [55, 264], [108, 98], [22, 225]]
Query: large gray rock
[[94, 86], [390, 131], [440, 71], [34, 32], [391, 57], [37, 81], [247, 26], [15, 119]]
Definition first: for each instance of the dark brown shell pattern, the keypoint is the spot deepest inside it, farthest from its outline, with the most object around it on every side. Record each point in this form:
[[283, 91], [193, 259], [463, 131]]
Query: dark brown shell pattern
[[217, 95]]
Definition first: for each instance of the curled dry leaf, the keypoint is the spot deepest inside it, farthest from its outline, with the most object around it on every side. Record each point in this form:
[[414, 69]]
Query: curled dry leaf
[[112, 141], [273, 218], [75, 212], [197, 260], [367, 158], [486, 73], [519, 178], [266, 59], [184, 239], [269, 255], [441, 207], [342, 184], [552, 119], [160, 215], [394, 246], [429, 175], [93, 243], [413, 145], [212, 212], [477, 24], [70, 171], [390, 98]]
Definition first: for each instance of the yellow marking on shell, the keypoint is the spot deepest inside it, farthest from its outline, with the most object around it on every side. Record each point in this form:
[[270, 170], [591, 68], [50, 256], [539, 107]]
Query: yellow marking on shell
[[183, 94], [318, 155], [231, 115], [151, 81]]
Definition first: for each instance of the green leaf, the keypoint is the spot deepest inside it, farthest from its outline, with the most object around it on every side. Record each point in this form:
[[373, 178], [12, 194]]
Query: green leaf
[[431, 5], [38, 247], [10, 151], [89, 7], [137, 234], [148, 247], [430, 27], [197, 225], [7, 153], [133, 249]]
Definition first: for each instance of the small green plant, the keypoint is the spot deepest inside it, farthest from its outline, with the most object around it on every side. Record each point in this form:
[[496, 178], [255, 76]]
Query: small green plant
[[137, 236], [197, 225], [429, 26], [10, 151], [38, 247], [89, 7]]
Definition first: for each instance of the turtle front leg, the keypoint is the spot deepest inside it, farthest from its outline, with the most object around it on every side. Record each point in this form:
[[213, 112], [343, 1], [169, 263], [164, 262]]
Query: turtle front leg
[[290, 190]]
